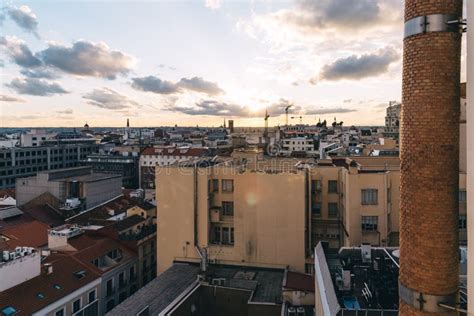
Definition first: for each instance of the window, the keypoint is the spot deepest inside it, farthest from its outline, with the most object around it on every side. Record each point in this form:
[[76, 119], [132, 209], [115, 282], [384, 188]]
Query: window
[[332, 210], [217, 234], [231, 235], [332, 186], [122, 279], [462, 221], [92, 296], [227, 208], [60, 312], [462, 196], [215, 185], [122, 297], [315, 186], [144, 312], [9, 311], [110, 305], [227, 185], [315, 208], [113, 254], [76, 305], [369, 223], [132, 273], [226, 235], [369, 197], [110, 287]]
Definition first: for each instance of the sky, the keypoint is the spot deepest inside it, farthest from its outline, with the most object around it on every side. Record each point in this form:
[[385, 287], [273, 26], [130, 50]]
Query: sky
[[65, 63]]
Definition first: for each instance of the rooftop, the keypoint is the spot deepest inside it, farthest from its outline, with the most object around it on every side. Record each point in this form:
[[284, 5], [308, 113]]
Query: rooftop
[[358, 278], [31, 234], [39, 292], [261, 286]]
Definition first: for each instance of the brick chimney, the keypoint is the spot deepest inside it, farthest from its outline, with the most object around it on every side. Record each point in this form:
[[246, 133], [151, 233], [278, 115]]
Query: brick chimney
[[429, 138]]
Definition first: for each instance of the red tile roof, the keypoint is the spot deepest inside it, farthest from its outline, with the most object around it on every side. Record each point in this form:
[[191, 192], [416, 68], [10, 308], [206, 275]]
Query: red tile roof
[[29, 234], [299, 282], [24, 296]]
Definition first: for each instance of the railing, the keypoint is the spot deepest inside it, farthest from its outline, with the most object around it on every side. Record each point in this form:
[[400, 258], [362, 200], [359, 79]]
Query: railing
[[91, 309]]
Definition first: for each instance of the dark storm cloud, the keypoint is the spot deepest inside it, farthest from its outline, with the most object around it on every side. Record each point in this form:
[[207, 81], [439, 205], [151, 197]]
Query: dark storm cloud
[[34, 86], [159, 86], [19, 52], [357, 67], [24, 18], [85, 58], [109, 99]]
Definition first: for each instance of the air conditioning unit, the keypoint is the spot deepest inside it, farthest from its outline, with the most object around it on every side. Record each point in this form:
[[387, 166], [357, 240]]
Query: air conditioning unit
[[12, 255], [218, 281], [300, 311], [291, 311], [6, 256]]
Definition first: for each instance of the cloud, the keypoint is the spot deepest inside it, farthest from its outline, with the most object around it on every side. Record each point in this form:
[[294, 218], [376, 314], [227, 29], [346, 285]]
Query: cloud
[[155, 85], [35, 86], [7, 98], [24, 18], [357, 67], [347, 14], [39, 73], [198, 84], [109, 99], [347, 101], [19, 52], [329, 111], [159, 86], [66, 112], [212, 108], [220, 108], [213, 4], [85, 58]]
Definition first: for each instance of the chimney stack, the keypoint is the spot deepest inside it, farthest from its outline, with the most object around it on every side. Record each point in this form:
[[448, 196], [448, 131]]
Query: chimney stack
[[429, 137]]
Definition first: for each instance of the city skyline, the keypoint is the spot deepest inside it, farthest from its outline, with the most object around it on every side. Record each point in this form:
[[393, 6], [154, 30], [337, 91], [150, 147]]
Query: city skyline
[[196, 63]]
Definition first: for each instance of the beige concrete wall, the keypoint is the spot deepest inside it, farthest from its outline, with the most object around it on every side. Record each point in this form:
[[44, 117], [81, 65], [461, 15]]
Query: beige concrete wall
[[354, 209], [269, 218], [175, 213]]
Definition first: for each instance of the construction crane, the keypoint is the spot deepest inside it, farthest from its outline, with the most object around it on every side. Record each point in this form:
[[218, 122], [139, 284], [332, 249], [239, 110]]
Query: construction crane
[[265, 132], [286, 112], [300, 117]]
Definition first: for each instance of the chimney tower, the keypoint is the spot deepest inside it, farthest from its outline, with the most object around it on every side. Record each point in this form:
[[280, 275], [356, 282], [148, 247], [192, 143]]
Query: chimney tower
[[429, 158]]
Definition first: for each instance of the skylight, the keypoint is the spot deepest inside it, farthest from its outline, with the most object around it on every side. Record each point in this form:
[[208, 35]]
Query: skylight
[[9, 311], [58, 287], [80, 274], [40, 295]]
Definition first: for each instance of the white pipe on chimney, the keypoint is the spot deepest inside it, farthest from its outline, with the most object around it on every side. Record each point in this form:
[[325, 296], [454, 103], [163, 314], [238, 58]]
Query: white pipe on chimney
[[470, 152]]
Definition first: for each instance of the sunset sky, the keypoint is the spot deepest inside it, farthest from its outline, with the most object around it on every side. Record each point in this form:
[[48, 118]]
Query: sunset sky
[[64, 63]]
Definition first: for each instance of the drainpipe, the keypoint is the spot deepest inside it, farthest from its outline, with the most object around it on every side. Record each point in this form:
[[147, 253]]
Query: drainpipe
[[470, 155]]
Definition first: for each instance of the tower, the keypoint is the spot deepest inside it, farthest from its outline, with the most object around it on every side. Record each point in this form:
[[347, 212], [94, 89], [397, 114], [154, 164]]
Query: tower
[[128, 123], [429, 158]]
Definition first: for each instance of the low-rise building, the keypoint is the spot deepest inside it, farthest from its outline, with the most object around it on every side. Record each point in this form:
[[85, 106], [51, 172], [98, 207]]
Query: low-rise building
[[124, 165], [76, 189]]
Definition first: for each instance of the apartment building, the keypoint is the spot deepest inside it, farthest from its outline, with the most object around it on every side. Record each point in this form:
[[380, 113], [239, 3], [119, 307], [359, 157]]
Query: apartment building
[[164, 156], [18, 162], [392, 120], [81, 184], [272, 212], [124, 165]]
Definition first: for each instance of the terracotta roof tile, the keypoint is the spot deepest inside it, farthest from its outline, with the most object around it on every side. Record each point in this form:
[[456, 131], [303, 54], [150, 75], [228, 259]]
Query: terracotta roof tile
[[299, 281], [29, 234], [24, 296]]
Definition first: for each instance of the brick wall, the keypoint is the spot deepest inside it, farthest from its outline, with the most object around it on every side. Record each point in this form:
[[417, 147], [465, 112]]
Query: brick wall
[[429, 156]]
